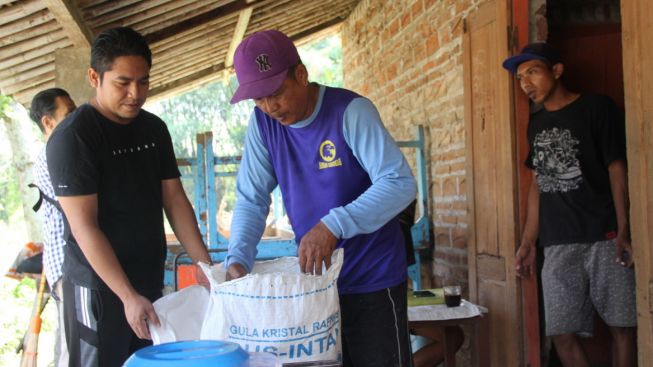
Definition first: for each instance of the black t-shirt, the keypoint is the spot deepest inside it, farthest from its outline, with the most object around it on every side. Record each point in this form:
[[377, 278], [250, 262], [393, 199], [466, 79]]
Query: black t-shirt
[[570, 151], [123, 165]]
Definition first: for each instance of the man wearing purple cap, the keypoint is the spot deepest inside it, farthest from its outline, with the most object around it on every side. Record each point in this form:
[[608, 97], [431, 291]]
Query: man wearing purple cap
[[577, 209], [343, 181]]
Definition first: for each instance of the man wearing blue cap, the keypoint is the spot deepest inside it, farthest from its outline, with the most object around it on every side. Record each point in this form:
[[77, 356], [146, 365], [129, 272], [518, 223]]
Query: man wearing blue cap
[[577, 209], [343, 180]]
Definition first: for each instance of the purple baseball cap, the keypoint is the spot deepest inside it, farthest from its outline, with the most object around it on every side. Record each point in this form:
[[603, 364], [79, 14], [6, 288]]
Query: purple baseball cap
[[262, 61], [533, 51]]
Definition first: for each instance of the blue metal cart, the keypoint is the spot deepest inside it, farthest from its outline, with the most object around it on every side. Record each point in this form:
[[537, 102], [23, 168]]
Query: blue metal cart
[[206, 169]]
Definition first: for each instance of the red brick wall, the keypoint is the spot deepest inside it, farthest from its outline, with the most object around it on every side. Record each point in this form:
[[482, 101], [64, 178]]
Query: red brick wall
[[405, 55]]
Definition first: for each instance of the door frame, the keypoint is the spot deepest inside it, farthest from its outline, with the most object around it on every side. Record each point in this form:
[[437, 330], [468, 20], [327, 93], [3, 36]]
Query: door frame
[[496, 266], [636, 33], [521, 110]]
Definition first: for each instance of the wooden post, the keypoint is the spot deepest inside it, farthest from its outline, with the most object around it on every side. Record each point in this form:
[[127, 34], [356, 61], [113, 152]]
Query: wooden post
[[637, 30]]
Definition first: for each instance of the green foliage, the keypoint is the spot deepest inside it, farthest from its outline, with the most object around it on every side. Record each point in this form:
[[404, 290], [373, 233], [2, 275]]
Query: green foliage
[[205, 109], [20, 295], [323, 59], [9, 191], [4, 105], [25, 288], [18, 298]]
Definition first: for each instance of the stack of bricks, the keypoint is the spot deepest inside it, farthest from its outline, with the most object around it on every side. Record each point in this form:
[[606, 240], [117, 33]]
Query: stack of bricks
[[406, 56]]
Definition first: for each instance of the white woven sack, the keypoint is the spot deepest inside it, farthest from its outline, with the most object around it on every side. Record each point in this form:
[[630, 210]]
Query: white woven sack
[[278, 310], [181, 315]]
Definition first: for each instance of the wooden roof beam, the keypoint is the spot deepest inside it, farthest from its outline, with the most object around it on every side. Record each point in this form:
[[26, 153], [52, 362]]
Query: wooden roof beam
[[71, 20], [201, 19], [213, 72], [318, 28], [20, 10], [186, 83], [239, 33]]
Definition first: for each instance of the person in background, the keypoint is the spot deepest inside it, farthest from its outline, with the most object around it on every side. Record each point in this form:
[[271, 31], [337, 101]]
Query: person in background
[[428, 346], [577, 209], [114, 172], [48, 108], [343, 181]]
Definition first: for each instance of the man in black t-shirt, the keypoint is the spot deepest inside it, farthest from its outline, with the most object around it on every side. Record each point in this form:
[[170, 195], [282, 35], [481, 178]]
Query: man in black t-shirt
[[577, 209], [114, 172]]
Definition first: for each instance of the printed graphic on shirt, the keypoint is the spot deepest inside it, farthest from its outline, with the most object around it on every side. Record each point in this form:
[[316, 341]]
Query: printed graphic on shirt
[[555, 160], [138, 148], [328, 155]]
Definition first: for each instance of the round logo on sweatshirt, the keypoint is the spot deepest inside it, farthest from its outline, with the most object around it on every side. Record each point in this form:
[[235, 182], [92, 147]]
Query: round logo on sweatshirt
[[327, 151]]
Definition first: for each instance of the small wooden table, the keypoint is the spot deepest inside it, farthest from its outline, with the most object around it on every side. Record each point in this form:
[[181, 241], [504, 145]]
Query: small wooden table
[[445, 322]]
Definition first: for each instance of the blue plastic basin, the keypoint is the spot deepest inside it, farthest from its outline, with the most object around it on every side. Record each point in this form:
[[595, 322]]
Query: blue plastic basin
[[197, 353]]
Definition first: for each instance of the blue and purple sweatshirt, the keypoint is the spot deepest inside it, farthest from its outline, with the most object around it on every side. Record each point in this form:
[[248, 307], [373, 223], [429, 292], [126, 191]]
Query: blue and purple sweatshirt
[[340, 166]]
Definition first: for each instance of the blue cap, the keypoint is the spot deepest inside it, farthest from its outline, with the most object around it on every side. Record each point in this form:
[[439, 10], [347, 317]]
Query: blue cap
[[533, 51]]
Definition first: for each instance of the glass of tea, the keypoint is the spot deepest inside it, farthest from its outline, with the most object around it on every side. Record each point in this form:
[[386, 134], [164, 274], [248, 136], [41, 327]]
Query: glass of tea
[[452, 295]]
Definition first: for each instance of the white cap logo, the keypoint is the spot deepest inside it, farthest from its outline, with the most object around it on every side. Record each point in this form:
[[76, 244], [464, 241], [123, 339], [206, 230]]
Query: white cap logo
[[263, 63]]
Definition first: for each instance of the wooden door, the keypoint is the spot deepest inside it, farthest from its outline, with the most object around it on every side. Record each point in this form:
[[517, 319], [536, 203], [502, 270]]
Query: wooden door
[[637, 28], [491, 178], [529, 286], [592, 55]]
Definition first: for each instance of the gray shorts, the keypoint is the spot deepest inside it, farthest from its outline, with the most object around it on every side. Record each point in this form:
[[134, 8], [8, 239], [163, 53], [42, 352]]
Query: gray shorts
[[580, 278]]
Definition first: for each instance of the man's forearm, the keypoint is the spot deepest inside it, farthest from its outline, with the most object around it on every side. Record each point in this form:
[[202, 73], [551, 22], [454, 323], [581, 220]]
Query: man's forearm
[[81, 212], [386, 198], [532, 224], [100, 255], [619, 187], [182, 220], [247, 226]]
